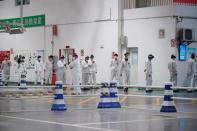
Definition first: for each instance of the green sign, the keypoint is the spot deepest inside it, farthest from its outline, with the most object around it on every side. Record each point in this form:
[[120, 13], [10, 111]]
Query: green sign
[[29, 21]]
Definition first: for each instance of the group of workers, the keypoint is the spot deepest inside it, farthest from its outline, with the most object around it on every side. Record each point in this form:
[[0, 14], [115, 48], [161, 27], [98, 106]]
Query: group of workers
[[84, 71], [123, 68]]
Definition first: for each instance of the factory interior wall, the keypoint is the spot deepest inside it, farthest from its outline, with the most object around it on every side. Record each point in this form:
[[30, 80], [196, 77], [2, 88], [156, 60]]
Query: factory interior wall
[[77, 27], [142, 25], [143, 32], [182, 66]]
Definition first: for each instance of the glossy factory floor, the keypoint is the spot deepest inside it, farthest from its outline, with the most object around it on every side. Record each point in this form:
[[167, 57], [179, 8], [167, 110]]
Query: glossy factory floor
[[136, 114]]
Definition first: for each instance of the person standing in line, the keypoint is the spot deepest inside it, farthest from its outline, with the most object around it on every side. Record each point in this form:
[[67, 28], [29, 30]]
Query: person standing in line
[[93, 70], [191, 72], [85, 71], [5, 68], [172, 67], [148, 72], [21, 68], [76, 74], [39, 71], [125, 71], [49, 70], [114, 68], [61, 67]]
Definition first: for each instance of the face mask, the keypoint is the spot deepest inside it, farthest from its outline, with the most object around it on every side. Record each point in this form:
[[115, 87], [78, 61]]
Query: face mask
[[126, 59]]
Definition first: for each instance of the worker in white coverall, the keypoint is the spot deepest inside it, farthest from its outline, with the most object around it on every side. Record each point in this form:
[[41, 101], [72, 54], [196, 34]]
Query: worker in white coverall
[[5, 68], [21, 68], [76, 74], [39, 71], [85, 71], [114, 68], [191, 72], [148, 72], [125, 71], [93, 70], [61, 67], [172, 67], [49, 70]]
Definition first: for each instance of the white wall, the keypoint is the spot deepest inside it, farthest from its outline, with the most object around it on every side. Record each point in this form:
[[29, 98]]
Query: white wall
[[142, 26], [143, 33], [88, 36]]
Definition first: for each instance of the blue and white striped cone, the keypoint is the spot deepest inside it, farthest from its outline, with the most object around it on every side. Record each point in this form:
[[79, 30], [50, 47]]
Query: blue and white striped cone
[[23, 82], [1, 79], [59, 104], [168, 103], [105, 99], [115, 103], [111, 100]]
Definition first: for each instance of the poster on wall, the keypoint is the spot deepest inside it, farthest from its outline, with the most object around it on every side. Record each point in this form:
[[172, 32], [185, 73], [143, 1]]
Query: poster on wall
[[190, 51], [2, 55], [30, 56]]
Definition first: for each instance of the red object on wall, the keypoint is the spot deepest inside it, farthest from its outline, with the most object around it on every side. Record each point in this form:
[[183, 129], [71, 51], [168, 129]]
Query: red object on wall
[[54, 30], [186, 1], [2, 55]]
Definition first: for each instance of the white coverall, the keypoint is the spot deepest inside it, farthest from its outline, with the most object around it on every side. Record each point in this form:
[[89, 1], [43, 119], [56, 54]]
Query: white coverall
[[39, 70], [93, 71], [85, 73], [6, 70], [61, 75], [148, 73], [194, 82], [172, 67], [190, 73], [125, 71], [21, 70], [114, 69], [76, 75], [48, 72]]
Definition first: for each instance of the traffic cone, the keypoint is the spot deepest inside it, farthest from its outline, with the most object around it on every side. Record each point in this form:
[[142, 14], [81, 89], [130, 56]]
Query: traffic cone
[[1, 78], [115, 103], [110, 99], [59, 104], [168, 103], [23, 82]]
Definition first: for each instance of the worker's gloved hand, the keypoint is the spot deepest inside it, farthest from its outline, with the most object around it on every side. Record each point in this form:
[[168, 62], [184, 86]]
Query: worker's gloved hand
[[120, 74], [149, 75], [145, 70]]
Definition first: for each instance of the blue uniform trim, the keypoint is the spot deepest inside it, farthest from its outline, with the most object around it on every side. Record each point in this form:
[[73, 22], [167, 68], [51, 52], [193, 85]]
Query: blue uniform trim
[[58, 107], [168, 109]]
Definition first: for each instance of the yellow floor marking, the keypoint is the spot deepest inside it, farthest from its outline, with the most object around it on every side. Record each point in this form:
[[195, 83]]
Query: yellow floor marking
[[87, 100], [123, 99]]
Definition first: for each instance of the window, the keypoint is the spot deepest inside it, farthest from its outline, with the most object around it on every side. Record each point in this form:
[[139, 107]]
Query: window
[[25, 2], [143, 3]]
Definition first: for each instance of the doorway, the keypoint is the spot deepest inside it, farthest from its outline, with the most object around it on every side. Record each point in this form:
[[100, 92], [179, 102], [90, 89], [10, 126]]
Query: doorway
[[134, 64]]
